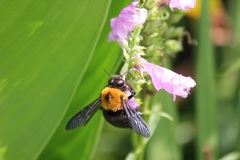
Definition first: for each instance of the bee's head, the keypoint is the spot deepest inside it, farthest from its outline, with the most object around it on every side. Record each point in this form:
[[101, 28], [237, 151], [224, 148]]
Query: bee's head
[[116, 82]]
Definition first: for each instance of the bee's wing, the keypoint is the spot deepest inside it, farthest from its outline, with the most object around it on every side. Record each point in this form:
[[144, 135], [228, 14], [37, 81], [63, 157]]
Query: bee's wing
[[83, 116], [137, 124]]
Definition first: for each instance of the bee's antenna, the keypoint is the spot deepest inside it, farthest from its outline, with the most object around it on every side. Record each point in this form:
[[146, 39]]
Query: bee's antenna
[[107, 73], [123, 75]]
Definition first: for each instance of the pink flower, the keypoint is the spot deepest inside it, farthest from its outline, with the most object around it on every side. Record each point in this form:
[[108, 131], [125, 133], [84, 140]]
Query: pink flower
[[132, 103], [168, 80], [128, 19], [182, 4]]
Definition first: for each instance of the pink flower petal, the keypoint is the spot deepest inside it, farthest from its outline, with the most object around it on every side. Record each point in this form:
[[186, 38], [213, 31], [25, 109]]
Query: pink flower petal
[[120, 31], [132, 103], [182, 4], [127, 20], [168, 80]]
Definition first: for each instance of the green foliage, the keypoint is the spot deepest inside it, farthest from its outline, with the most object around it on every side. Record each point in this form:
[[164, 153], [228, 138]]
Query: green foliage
[[45, 51], [52, 60], [165, 132], [206, 102]]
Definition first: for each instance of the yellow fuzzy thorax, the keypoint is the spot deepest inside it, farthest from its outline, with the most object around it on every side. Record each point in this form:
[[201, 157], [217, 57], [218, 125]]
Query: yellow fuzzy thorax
[[112, 99]]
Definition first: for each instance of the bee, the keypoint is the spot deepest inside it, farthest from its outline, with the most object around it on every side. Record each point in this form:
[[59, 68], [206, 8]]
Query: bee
[[113, 102]]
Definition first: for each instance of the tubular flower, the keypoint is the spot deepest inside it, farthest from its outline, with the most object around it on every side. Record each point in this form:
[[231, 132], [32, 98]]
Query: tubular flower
[[168, 80], [132, 103], [182, 4], [127, 20]]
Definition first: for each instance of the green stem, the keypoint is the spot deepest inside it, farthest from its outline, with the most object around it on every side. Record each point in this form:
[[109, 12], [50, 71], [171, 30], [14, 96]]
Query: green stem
[[139, 142]]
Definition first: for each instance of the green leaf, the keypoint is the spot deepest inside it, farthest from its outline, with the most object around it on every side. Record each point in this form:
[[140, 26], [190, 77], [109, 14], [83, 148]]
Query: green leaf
[[82, 142], [206, 89], [236, 57], [45, 49], [233, 66], [231, 156]]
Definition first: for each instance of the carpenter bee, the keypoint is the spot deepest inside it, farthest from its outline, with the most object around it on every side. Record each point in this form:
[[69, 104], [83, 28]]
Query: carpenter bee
[[113, 102]]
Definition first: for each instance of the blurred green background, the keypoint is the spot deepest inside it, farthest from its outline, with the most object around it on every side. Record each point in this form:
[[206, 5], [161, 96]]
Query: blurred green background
[[52, 60]]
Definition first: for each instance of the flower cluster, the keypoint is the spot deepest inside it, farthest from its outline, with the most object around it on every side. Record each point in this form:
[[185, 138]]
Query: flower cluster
[[128, 19], [123, 28]]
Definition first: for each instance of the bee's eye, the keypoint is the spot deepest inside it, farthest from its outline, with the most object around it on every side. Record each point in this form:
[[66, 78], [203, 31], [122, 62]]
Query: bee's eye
[[120, 82], [111, 81]]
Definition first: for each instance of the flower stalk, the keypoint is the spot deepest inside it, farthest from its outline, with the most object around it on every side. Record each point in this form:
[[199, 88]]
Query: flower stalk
[[147, 35]]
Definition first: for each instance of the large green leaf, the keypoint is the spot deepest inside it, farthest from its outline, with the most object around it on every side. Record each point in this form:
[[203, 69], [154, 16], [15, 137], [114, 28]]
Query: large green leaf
[[206, 90], [45, 48], [81, 143]]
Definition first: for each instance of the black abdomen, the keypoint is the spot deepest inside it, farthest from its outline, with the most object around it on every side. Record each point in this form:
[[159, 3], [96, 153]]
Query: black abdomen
[[118, 118]]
